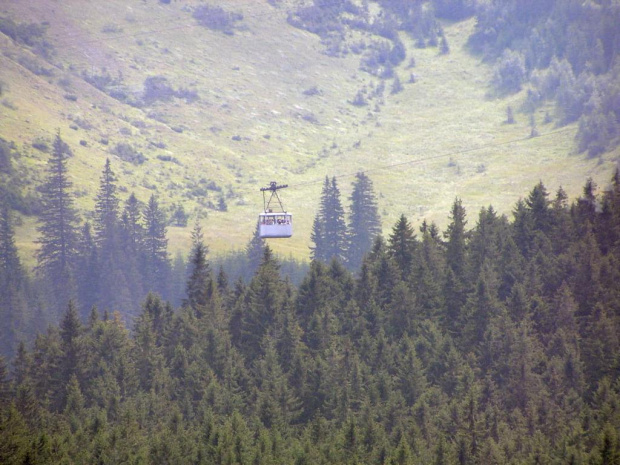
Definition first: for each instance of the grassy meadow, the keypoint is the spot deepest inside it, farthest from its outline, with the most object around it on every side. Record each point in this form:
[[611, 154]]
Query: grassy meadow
[[256, 121]]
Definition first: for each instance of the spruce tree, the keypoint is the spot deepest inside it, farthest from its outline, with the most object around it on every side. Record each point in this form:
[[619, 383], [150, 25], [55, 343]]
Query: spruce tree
[[402, 246], [329, 232], [106, 207], [5, 385], [456, 253], [58, 229], [254, 252], [456, 282], [335, 227], [200, 276], [263, 305], [72, 361], [114, 289], [364, 221], [132, 240], [13, 287], [538, 204], [157, 266], [318, 234], [87, 269], [133, 231]]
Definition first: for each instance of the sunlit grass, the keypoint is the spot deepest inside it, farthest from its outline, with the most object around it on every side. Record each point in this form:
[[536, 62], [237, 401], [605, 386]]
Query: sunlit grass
[[441, 137]]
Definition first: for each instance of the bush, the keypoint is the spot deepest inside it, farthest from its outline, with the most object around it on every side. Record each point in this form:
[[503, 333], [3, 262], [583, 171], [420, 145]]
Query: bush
[[7, 152], [157, 88], [596, 132], [41, 145], [128, 153], [169, 158], [29, 34], [322, 21], [396, 86], [509, 73], [179, 216], [312, 91], [216, 18], [111, 28], [189, 95], [106, 83], [32, 65], [359, 100]]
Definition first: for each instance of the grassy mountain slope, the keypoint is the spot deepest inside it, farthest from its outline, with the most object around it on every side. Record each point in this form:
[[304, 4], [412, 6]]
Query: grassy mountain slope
[[257, 118]]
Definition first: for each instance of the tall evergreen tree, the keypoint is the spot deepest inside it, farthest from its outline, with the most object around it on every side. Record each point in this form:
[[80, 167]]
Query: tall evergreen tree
[[72, 363], [106, 207], [364, 221], [87, 270], [115, 292], [200, 275], [317, 237], [133, 231], [402, 246], [538, 204], [155, 246], [254, 252], [456, 282], [132, 237], [58, 229], [264, 304], [14, 287], [456, 252], [329, 233]]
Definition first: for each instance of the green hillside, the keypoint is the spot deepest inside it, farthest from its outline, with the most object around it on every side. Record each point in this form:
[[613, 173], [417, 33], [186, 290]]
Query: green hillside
[[263, 101]]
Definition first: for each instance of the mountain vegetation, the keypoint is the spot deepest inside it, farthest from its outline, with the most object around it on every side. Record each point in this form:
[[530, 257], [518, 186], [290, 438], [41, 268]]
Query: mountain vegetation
[[495, 343], [203, 104], [450, 313]]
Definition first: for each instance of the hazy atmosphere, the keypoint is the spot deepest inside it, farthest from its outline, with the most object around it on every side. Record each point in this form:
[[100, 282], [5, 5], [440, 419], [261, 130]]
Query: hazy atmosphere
[[449, 180]]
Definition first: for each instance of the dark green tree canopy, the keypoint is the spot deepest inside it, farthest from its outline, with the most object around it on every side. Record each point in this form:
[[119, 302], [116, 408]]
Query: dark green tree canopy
[[364, 221]]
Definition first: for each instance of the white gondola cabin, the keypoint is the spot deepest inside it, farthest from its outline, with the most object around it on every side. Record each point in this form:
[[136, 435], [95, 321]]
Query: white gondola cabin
[[278, 224], [273, 225]]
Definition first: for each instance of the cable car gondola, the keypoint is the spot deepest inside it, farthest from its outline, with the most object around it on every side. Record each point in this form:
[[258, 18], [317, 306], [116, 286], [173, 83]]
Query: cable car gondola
[[274, 224]]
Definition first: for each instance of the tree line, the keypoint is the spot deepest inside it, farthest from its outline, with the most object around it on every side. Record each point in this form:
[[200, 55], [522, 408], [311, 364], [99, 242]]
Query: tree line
[[496, 343]]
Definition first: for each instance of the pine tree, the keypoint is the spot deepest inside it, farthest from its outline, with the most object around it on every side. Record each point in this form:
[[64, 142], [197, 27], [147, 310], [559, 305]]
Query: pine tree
[[106, 207], [14, 286], [538, 204], [200, 276], [456, 252], [317, 236], [5, 385], [132, 240], [264, 304], [72, 361], [254, 252], [402, 246], [523, 228], [456, 283], [115, 292], [585, 212], [87, 269], [329, 232], [58, 229], [364, 221], [157, 266], [133, 231], [430, 273], [485, 241]]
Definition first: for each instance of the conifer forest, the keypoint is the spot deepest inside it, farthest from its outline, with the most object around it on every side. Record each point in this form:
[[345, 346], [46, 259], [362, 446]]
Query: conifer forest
[[494, 341], [491, 337]]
